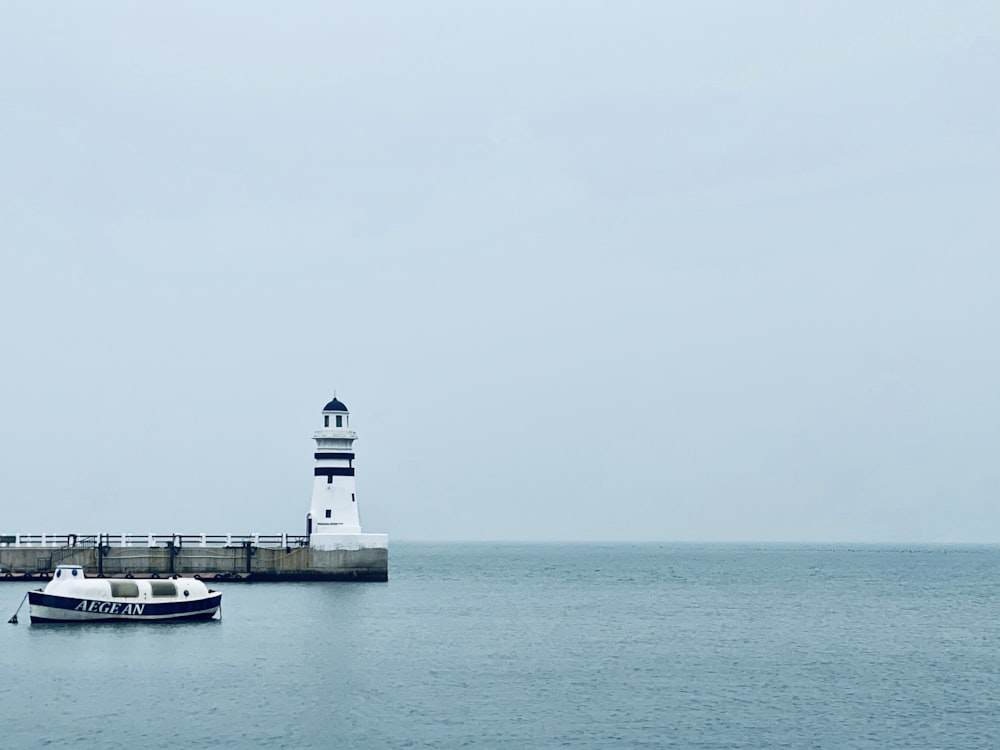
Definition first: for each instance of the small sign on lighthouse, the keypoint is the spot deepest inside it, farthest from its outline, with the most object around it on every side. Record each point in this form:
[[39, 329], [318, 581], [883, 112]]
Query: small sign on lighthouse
[[334, 521]]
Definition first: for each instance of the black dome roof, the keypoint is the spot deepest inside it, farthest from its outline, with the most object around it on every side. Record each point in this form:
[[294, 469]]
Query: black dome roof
[[335, 405]]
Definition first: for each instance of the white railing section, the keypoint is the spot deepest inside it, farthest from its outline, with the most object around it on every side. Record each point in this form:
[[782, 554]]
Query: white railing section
[[60, 541]]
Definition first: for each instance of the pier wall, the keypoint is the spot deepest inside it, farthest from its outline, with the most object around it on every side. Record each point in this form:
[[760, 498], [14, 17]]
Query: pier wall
[[245, 562]]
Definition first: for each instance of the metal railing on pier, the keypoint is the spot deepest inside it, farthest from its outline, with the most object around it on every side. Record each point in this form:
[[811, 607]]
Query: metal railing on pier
[[77, 541]]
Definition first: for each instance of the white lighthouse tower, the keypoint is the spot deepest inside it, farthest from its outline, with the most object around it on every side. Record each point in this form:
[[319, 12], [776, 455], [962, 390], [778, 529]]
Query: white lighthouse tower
[[334, 521]]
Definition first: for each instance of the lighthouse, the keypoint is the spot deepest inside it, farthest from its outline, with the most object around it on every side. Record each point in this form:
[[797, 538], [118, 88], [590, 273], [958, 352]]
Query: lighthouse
[[334, 521]]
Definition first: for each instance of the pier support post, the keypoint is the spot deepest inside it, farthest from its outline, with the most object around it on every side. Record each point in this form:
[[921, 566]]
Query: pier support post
[[173, 547]]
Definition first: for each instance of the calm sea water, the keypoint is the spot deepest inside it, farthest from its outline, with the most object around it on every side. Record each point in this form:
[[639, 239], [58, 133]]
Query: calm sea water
[[531, 646]]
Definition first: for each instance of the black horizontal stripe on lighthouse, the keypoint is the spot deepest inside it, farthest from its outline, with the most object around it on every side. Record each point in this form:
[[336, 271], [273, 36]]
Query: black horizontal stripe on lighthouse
[[321, 456], [333, 471]]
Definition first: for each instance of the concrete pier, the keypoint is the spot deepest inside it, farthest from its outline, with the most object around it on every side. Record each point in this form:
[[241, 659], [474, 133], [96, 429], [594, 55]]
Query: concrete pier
[[334, 548], [248, 558]]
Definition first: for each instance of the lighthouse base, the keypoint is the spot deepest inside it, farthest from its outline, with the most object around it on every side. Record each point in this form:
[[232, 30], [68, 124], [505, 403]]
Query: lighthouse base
[[348, 541]]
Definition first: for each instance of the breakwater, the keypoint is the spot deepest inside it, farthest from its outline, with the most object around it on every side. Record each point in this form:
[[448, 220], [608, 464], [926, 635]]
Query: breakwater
[[232, 557]]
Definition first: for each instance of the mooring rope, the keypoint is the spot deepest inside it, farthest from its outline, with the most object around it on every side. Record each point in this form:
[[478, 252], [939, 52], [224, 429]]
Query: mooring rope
[[13, 620]]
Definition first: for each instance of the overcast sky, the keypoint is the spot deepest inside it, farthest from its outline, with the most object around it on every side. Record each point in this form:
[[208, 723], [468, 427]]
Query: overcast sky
[[713, 271]]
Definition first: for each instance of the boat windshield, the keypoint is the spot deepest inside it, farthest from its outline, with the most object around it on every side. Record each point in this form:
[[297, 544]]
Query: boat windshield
[[124, 589], [163, 588]]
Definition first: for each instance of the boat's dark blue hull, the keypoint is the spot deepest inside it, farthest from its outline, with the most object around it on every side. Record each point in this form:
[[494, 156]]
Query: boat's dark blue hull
[[50, 608]]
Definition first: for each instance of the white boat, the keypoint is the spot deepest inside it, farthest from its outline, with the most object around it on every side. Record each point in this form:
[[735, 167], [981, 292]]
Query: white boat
[[71, 597]]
